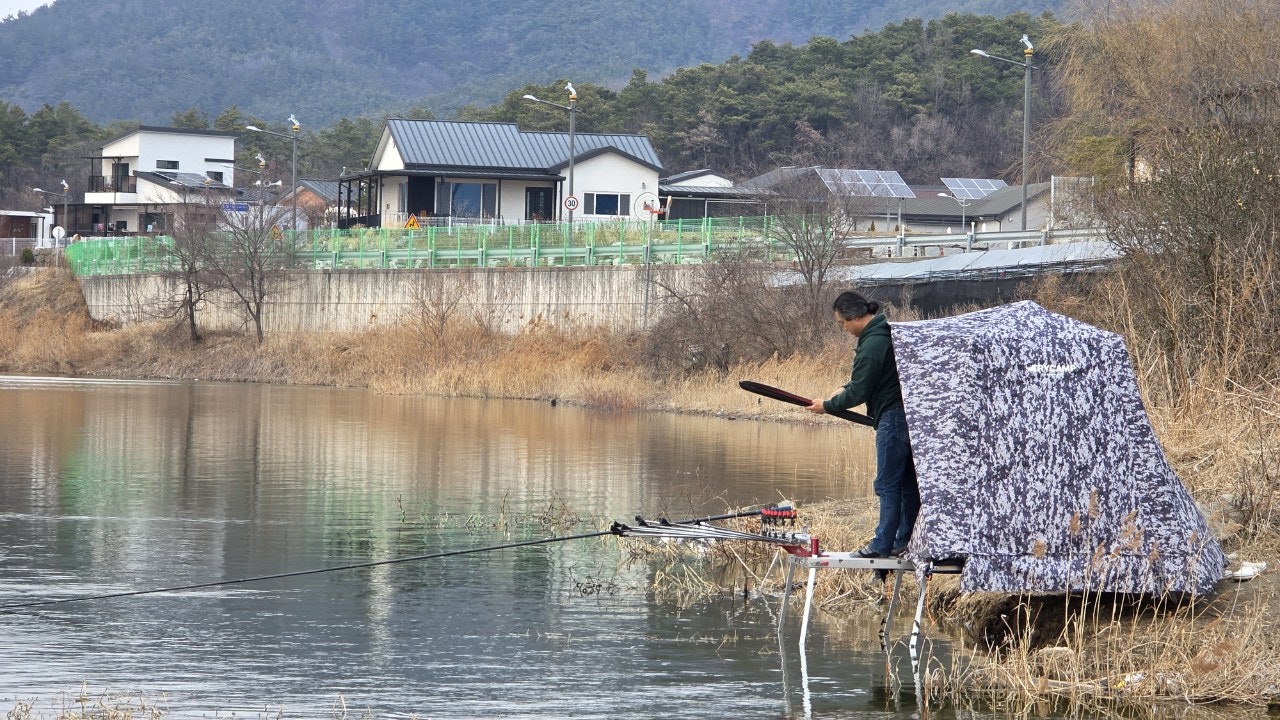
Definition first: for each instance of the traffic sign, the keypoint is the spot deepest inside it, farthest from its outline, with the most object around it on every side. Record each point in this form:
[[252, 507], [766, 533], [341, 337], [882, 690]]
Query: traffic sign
[[411, 223], [571, 203]]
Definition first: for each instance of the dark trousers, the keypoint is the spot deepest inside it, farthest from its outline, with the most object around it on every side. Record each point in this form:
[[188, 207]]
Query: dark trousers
[[895, 483]]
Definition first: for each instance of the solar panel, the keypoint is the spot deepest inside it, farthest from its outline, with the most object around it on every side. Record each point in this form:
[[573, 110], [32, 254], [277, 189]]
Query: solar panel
[[865, 183], [191, 180], [972, 188]]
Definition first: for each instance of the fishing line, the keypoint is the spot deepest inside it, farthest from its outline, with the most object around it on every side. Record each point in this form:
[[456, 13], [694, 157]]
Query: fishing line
[[9, 609]]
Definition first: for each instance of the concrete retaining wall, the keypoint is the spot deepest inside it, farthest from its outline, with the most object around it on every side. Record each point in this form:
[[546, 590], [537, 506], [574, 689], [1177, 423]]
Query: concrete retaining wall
[[344, 300]]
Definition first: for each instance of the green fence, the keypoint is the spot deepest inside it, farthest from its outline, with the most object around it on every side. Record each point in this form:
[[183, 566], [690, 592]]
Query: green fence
[[529, 245]]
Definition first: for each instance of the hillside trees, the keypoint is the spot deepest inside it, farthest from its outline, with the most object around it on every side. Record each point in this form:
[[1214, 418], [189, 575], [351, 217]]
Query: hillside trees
[[909, 97], [1175, 107], [42, 149]]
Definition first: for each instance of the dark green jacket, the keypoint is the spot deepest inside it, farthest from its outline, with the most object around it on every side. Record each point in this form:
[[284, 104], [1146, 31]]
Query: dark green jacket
[[874, 379]]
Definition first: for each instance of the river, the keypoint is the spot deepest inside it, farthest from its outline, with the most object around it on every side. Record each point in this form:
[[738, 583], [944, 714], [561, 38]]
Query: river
[[117, 486]]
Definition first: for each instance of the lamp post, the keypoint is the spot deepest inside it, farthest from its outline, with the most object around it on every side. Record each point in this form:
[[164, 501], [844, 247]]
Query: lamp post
[[1027, 53], [294, 139], [572, 107], [65, 197], [963, 204]]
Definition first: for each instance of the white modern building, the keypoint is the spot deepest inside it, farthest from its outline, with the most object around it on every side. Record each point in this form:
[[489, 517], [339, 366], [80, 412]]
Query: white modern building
[[137, 179]]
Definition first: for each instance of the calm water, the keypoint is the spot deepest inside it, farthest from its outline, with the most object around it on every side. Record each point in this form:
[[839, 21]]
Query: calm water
[[118, 486]]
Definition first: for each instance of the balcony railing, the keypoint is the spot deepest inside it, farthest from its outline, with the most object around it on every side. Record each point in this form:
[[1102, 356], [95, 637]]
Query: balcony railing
[[100, 183]]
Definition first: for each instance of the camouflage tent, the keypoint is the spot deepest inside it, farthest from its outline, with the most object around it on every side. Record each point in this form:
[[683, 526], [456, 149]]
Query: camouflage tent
[[1037, 462]]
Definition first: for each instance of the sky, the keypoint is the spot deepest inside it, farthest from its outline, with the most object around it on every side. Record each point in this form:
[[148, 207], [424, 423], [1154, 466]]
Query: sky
[[11, 7]]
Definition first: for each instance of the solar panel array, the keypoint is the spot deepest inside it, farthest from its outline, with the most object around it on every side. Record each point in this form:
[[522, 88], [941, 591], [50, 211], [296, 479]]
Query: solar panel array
[[865, 183], [972, 188], [191, 180]]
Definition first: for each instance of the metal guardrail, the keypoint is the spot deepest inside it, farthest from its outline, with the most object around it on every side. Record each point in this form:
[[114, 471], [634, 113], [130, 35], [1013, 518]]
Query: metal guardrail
[[13, 247], [1010, 239], [532, 245]]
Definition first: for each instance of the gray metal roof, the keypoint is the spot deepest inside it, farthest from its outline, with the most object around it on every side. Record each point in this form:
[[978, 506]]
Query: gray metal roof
[[688, 175], [327, 189], [927, 205], [460, 144], [1076, 255], [713, 191]]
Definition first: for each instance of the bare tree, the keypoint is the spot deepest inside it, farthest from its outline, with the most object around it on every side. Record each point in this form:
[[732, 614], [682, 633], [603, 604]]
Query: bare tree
[[249, 258], [436, 299], [193, 231], [812, 215]]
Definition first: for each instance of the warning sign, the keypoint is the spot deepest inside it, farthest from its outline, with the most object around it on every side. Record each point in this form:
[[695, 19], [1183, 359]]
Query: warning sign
[[412, 223], [276, 233]]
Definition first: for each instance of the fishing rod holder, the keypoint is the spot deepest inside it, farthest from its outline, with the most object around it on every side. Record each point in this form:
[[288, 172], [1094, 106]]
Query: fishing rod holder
[[854, 561], [777, 527]]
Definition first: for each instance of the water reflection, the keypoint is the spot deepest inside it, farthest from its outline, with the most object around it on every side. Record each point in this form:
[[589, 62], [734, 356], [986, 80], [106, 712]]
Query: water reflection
[[110, 487]]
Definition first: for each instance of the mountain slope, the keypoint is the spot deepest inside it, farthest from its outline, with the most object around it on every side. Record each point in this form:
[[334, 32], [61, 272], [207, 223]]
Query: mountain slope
[[326, 59]]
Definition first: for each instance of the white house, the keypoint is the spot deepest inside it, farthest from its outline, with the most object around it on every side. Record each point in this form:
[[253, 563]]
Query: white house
[[138, 178], [441, 171]]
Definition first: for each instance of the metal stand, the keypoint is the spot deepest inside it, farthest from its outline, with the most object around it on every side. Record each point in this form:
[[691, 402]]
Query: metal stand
[[849, 561]]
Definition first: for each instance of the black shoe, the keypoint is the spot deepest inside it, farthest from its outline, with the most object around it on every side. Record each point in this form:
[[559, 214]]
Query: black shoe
[[867, 552], [898, 551]]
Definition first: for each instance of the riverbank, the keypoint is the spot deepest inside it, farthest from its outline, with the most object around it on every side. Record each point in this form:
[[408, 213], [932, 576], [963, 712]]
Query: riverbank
[[1222, 441]]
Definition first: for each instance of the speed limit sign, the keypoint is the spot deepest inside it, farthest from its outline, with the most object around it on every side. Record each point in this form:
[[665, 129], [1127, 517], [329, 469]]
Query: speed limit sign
[[571, 203]]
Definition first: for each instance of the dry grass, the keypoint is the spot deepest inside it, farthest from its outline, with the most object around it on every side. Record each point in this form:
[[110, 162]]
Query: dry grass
[[86, 706]]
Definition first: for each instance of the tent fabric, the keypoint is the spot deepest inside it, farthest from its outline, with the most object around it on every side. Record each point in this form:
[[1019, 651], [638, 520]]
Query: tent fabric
[[1037, 462]]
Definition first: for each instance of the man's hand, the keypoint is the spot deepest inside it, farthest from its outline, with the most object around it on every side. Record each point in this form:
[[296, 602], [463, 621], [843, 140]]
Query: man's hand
[[816, 408]]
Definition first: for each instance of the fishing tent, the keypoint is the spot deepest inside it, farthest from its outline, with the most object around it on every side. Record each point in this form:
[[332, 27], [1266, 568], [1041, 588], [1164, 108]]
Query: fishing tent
[[1037, 462]]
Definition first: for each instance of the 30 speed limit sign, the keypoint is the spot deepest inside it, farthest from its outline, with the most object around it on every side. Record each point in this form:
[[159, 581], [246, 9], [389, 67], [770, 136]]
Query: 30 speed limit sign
[[571, 203]]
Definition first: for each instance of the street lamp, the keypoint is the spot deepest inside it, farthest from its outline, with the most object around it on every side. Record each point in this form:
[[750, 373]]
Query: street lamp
[[963, 204], [572, 107], [294, 139], [1027, 53], [65, 197]]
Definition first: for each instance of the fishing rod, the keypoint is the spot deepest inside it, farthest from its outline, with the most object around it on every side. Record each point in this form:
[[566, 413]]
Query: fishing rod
[[615, 529], [770, 391]]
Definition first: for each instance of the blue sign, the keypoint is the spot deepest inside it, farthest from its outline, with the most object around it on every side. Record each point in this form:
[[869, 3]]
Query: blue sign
[[235, 207]]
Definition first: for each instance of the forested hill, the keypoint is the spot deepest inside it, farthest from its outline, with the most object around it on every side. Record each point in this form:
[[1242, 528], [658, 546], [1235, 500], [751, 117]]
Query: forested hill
[[141, 60]]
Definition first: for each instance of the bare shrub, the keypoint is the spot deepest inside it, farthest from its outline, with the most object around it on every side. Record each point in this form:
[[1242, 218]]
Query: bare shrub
[[731, 310], [436, 302], [1174, 106]]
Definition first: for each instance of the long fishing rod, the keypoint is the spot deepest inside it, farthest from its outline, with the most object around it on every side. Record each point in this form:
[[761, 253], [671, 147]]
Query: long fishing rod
[[615, 529], [770, 391]]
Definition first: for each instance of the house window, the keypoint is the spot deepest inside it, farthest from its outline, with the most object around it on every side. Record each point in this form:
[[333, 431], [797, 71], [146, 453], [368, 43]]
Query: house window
[[214, 175], [468, 199], [166, 164], [616, 204]]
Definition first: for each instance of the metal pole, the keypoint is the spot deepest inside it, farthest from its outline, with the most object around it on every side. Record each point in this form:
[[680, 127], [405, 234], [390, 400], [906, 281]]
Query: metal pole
[[1026, 128], [294, 188], [573, 111]]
